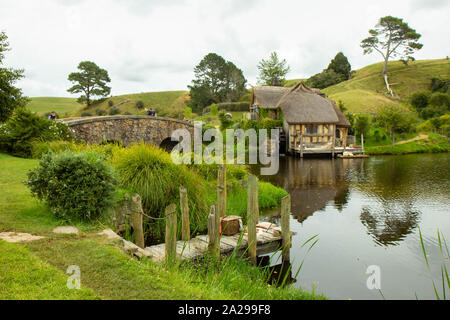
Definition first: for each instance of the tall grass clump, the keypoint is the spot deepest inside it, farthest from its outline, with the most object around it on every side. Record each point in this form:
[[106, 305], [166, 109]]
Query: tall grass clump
[[40, 148], [150, 172]]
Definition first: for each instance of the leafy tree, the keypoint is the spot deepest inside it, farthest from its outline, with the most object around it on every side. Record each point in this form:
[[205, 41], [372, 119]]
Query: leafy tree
[[91, 81], [393, 118], [10, 96], [216, 80], [420, 100], [391, 38], [362, 125], [338, 70], [272, 71], [326, 78], [340, 65], [342, 107]]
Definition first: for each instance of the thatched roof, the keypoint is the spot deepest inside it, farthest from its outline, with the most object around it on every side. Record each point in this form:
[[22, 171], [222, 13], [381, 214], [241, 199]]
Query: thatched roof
[[299, 104]]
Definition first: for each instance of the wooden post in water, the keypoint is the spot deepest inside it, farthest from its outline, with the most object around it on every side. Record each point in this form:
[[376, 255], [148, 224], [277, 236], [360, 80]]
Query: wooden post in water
[[285, 228], [301, 146], [334, 140], [171, 233], [252, 216], [137, 217], [222, 190], [184, 208], [362, 143], [214, 232]]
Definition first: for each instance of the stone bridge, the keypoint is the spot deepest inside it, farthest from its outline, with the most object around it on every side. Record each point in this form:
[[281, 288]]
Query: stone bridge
[[127, 129]]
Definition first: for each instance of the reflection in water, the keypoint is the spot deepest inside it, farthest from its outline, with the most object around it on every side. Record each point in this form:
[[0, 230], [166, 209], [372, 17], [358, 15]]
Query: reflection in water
[[367, 212], [313, 183], [388, 226], [392, 183]]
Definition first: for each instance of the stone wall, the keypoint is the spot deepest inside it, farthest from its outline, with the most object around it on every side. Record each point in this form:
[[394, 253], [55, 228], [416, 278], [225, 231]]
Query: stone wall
[[126, 129]]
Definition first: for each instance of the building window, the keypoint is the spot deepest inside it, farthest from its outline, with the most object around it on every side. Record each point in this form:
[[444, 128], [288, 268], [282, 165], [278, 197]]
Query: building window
[[311, 129]]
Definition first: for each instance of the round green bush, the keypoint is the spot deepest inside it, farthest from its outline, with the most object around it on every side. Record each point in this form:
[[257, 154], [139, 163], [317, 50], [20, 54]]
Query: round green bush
[[76, 186]]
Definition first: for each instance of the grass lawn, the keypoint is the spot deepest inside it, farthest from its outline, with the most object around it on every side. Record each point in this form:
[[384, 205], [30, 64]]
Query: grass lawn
[[434, 143], [36, 270], [42, 105]]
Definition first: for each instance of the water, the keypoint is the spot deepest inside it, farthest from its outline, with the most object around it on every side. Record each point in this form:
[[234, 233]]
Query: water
[[368, 212]]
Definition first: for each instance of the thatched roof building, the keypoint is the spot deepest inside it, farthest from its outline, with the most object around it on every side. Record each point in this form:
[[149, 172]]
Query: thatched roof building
[[299, 104], [310, 120]]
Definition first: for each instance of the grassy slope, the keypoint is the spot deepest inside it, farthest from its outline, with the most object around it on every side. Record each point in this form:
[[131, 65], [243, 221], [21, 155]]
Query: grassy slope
[[435, 143], [36, 270], [366, 91], [44, 105], [160, 101]]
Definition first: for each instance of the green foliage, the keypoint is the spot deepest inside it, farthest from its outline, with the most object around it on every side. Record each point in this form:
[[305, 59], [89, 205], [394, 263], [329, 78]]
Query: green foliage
[[395, 119], [229, 106], [225, 123], [325, 79], [86, 114], [24, 127], [440, 99], [91, 81], [340, 65], [272, 71], [216, 80], [338, 70], [76, 186], [214, 109], [188, 113], [10, 96], [139, 104], [150, 172], [110, 103], [40, 148], [114, 111], [362, 125], [420, 100], [439, 85], [100, 112]]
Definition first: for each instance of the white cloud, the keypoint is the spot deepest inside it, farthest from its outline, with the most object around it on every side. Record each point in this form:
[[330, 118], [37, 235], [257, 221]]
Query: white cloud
[[154, 45]]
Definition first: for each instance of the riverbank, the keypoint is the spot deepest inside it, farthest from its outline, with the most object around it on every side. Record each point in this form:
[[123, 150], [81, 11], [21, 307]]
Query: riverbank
[[434, 143], [37, 270]]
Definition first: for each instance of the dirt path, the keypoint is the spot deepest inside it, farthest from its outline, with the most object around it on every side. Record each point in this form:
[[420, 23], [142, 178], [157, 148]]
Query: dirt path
[[419, 137]]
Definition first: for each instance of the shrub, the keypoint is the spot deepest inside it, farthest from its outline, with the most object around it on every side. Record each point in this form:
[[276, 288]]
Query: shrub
[[127, 113], [76, 186], [86, 114], [24, 127], [225, 123], [114, 111], [150, 172], [420, 100], [439, 85], [140, 104], [110, 103], [100, 112], [40, 148]]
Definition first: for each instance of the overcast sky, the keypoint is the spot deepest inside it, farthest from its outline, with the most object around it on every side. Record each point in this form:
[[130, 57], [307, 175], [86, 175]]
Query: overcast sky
[[153, 45]]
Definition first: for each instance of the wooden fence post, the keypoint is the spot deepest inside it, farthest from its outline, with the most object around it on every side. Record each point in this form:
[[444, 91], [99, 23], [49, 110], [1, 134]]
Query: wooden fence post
[[222, 190], [214, 232], [171, 233], [184, 208], [137, 217], [252, 216], [362, 143], [285, 228]]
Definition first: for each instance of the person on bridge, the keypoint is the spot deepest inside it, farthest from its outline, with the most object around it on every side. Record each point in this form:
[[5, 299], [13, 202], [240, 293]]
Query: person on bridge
[[52, 116]]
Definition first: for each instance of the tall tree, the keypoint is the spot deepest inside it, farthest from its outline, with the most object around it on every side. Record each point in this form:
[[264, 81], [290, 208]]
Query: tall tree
[[393, 118], [341, 65], [273, 70], [10, 96], [391, 38], [216, 80], [91, 81]]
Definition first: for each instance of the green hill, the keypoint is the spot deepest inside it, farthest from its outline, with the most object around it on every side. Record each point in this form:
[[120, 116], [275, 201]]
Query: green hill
[[166, 103], [44, 105], [366, 91]]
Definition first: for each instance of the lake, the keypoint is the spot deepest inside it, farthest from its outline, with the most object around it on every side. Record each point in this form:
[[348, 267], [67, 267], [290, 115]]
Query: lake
[[367, 212]]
